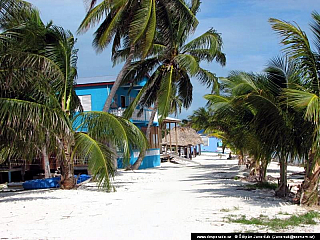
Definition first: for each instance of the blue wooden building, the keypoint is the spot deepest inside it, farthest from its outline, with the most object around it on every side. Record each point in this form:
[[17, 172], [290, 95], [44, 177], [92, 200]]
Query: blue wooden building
[[210, 144], [93, 93]]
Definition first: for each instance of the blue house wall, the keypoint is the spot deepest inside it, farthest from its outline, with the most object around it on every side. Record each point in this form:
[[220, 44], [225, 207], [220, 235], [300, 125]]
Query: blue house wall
[[99, 93], [212, 145]]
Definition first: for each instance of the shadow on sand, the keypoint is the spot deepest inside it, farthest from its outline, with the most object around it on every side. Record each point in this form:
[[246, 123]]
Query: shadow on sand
[[217, 181], [19, 196]]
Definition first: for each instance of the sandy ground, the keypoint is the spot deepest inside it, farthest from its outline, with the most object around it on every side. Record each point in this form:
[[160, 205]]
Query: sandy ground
[[169, 202]]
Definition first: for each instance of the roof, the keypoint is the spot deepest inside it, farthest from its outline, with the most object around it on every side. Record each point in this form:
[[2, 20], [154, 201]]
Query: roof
[[171, 120], [97, 79], [106, 80], [186, 136]]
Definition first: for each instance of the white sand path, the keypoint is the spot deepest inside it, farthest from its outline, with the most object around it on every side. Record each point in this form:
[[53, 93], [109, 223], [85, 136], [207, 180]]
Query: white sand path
[[169, 202]]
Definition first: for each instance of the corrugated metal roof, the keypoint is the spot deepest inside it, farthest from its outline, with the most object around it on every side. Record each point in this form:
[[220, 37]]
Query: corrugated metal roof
[[97, 79]]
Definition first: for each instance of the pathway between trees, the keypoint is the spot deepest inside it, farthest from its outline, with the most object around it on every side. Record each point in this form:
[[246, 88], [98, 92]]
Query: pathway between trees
[[168, 202]]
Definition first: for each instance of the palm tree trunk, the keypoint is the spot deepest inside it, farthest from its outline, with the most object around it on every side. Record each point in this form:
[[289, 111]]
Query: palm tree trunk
[[263, 170], [137, 164], [308, 192], [283, 190], [117, 83], [45, 156], [67, 169], [223, 148], [241, 158]]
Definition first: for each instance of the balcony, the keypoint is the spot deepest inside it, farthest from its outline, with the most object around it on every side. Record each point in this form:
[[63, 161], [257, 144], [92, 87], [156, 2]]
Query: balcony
[[144, 117]]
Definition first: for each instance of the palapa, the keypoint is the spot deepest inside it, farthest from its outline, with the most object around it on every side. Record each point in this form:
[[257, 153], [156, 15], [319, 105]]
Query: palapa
[[186, 137]]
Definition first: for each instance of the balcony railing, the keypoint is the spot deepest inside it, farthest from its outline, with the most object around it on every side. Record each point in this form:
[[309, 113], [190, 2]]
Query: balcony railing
[[144, 117]]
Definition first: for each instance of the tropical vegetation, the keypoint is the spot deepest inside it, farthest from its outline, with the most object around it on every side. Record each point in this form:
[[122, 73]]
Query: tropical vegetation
[[274, 114], [131, 27], [170, 68], [39, 110]]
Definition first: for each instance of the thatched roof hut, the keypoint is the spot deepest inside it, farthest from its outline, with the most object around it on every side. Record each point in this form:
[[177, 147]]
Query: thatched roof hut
[[186, 136]]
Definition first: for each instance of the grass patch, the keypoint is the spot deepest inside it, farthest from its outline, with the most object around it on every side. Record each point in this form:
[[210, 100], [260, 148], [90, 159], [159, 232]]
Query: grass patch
[[262, 185], [230, 210], [276, 223], [283, 213], [225, 210]]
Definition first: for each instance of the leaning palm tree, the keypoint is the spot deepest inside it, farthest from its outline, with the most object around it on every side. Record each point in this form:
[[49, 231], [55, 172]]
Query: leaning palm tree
[[306, 95], [171, 68], [132, 25], [37, 100]]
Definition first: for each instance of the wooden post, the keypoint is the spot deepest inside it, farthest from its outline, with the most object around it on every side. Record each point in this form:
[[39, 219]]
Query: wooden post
[[160, 137], [170, 136], [166, 133], [175, 127], [166, 138], [150, 137], [155, 137], [9, 172]]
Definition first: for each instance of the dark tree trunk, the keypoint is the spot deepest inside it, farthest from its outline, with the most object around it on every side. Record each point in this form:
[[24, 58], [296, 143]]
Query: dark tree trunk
[[308, 193], [241, 158], [283, 190], [142, 153], [67, 169], [47, 173], [118, 80]]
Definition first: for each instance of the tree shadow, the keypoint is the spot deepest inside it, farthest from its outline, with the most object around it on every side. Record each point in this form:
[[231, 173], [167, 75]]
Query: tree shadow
[[18, 196], [217, 182]]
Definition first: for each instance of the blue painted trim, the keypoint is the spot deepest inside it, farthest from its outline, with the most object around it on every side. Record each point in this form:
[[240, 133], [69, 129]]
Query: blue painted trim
[[147, 162]]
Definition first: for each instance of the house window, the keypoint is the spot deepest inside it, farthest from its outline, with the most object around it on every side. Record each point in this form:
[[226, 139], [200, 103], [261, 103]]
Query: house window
[[85, 102], [123, 101], [205, 140]]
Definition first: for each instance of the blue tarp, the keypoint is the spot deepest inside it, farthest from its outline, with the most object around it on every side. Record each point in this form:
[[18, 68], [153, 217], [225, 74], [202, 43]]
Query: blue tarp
[[50, 182]]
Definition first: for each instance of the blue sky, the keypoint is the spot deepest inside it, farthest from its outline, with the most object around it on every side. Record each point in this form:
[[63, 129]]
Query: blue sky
[[249, 42]]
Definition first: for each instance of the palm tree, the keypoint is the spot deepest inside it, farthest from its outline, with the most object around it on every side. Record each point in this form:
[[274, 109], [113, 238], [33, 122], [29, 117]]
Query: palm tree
[[256, 118], [132, 25], [305, 96], [37, 101], [171, 68]]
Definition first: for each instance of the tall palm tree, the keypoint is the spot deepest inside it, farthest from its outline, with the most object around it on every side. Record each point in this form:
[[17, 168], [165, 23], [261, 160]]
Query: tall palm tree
[[37, 100], [171, 68], [132, 25], [306, 95]]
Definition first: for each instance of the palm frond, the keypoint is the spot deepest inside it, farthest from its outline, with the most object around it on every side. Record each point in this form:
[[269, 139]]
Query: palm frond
[[94, 15], [305, 100], [187, 62], [106, 31], [107, 128], [25, 117], [207, 47], [100, 158], [185, 89], [141, 20], [297, 47], [165, 94]]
